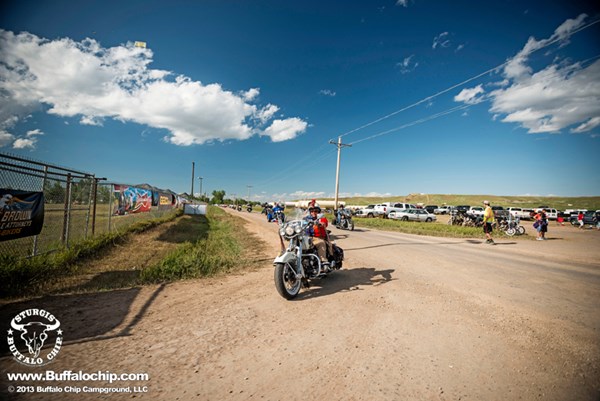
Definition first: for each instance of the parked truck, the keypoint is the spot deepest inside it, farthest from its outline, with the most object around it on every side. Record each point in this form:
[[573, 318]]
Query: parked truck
[[385, 208]]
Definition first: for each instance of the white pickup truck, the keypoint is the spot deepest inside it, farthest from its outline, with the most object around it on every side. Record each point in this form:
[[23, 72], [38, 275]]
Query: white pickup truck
[[523, 214], [385, 208], [476, 211], [368, 211]]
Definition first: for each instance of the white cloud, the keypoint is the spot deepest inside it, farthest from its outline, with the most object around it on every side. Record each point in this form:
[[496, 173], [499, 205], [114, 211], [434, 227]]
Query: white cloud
[[23, 143], [69, 78], [407, 65], [517, 68], [587, 126], [327, 92], [306, 195], [283, 130], [267, 112], [403, 3], [250, 94], [34, 132], [441, 40], [87, 120], [6, 138], [560, 95], [469, 96]]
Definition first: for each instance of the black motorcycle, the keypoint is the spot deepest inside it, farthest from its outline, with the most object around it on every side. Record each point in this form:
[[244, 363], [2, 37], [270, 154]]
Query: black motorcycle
[[345, 221]]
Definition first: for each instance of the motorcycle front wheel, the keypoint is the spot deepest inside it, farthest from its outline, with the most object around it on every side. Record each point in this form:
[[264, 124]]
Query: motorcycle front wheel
[[510, 231], [520, 230], [286, 282]]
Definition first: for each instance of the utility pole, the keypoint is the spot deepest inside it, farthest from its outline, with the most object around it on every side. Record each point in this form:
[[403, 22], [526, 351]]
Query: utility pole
[[249, 186], [339, 145], [200, 178], [193, 167]]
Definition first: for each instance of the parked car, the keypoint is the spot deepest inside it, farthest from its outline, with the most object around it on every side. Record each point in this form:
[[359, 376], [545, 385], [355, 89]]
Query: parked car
[[475, 211], [368, 211], [412, 215], [387, 207], [443, 210], [500, 212], [462, 208], [590, 218], [431, 208], [551, 213]]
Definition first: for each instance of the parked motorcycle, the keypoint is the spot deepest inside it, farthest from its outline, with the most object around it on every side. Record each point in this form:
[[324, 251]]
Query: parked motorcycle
[[300, 261], [345, 222], [249, 208]]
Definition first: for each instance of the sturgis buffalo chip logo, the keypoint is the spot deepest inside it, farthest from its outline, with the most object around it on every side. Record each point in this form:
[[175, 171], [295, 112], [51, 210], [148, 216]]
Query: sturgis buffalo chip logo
[[29, 331]]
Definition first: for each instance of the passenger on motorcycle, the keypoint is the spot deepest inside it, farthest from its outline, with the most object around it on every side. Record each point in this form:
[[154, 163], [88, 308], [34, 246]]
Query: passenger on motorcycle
[[340, 212], [318, 230]]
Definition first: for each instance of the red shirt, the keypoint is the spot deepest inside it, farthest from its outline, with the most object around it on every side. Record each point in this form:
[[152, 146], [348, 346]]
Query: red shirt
[[321, 231]]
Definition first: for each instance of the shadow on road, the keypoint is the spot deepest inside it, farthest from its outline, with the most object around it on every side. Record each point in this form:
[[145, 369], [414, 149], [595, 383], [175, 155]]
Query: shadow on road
[[346, 280], [86, 317]]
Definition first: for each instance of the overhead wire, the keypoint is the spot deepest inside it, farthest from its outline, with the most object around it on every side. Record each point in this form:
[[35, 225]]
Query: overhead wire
[[428, 98], [461, 107]]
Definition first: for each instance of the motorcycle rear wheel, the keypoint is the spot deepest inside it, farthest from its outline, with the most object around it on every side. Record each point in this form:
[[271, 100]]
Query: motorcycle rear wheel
[[286, 282], [520, 230]]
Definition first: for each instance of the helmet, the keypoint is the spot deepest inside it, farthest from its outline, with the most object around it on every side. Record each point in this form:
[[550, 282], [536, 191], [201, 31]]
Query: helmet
[[315, 206]]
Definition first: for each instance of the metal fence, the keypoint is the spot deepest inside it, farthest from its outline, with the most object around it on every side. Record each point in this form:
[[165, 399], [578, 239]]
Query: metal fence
[[77, 205]]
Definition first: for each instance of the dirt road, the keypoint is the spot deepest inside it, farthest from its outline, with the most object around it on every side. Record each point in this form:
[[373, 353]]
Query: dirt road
[[408, 318]]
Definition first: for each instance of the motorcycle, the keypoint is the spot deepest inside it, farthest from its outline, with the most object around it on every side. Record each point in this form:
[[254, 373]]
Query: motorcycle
[[300, 262], [249, 208], [279, 217], [345, 222]]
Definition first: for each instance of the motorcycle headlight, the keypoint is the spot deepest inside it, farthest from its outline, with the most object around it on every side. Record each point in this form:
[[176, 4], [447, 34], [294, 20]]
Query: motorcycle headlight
[[298, 229], [281, 231], [289, 230]]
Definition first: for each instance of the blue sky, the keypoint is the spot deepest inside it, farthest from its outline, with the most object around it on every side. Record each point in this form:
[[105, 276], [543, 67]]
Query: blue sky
[[458, 97]]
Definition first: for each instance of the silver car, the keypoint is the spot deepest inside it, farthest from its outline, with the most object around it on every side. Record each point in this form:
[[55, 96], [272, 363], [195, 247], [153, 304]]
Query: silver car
[[413, 215]]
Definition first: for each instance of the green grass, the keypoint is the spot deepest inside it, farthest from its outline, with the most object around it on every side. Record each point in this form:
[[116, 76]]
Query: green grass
[[420, 228], [222, 246], [20, 276]]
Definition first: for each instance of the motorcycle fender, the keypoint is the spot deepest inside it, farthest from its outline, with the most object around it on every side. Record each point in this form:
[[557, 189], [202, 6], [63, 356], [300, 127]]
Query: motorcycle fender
[[286, 257]]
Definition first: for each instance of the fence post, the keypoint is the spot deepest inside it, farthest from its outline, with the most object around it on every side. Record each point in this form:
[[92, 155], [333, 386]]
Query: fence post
[[95, 195], [87, 217], [110, 204], [35, 239], [65, 232]]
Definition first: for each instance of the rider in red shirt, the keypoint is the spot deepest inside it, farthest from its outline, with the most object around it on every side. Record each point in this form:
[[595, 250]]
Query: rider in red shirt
[[319, 233]]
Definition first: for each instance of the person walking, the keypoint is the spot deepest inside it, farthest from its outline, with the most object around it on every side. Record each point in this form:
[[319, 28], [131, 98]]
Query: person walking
[[580, 219], [488, 220], [541, 223]]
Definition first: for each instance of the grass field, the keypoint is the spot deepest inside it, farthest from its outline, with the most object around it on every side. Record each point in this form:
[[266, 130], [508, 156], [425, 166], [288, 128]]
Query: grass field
[[79, 228]]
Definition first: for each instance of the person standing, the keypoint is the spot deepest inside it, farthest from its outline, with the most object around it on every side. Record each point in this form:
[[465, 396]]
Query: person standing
[[542, 225], [580, 219], [488, 220]]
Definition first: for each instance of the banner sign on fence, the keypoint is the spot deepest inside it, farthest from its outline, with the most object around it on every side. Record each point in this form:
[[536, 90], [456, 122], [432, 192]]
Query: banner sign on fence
[[166, 201], [132, 200], [21, 213]]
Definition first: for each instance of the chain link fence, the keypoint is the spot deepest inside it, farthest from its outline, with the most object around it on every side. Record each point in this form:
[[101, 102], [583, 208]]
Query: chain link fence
[[77, 205]]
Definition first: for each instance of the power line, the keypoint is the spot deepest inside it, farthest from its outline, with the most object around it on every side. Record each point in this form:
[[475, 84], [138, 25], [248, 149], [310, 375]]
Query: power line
[[463, 82], [422, 120], [457, 108]]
